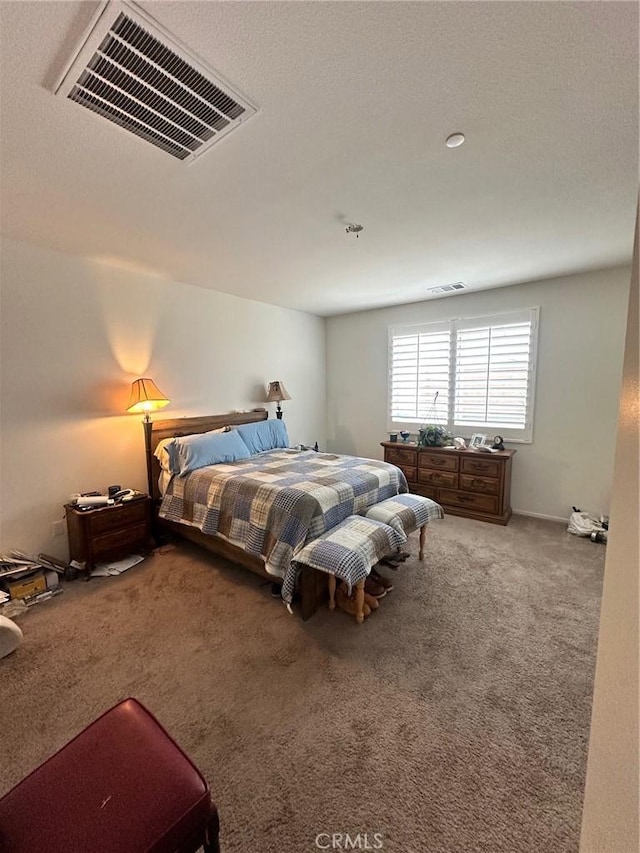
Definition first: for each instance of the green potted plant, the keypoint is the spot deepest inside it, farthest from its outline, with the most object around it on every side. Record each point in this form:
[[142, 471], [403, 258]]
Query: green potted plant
[[434, 435]]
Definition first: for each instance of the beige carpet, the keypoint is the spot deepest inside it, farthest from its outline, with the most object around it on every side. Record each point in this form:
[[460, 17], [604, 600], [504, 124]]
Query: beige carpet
[[455, 719]]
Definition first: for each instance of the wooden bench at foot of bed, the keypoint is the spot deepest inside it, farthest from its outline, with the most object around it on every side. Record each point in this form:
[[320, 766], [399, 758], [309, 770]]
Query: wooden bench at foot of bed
[[348, 551], [407, 513]]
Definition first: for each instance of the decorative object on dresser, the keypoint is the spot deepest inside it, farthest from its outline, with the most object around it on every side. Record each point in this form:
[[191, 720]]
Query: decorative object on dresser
[[146, 397], [478, 439], [276, 393], [106, 533], [462, 481]]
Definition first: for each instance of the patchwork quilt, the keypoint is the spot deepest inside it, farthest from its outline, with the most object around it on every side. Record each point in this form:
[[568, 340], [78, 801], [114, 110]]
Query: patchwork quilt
[[349, 551], [275, 502]]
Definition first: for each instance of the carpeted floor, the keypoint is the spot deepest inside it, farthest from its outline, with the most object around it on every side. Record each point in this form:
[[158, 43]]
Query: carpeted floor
[[455, 719]]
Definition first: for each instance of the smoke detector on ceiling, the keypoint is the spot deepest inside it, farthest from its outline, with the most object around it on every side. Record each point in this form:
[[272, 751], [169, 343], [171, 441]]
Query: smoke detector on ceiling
[[131, 71], [354, 228], [455, 140], [448, 288]]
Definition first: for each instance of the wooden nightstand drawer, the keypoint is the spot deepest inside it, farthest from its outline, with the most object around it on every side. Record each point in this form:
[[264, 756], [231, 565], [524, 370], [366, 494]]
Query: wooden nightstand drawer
[[438, 478], [123, 540], [117, 517], [401, 456], [486, 485], [487, 467], [482, 503], [439, 461]]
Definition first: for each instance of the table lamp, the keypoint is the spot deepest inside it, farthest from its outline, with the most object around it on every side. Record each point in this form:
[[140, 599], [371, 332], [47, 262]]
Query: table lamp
[[146, 397], [276, 393]]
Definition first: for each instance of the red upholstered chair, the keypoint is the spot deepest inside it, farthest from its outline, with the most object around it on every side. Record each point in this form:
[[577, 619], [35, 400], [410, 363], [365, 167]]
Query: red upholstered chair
[[121, 786]]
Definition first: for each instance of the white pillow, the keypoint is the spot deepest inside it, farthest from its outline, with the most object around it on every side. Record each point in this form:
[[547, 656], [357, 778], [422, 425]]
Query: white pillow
[[163, 453]]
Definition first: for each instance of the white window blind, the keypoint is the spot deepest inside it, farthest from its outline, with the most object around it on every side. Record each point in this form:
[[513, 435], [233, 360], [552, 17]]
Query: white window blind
[[482, 368], [420, 363]]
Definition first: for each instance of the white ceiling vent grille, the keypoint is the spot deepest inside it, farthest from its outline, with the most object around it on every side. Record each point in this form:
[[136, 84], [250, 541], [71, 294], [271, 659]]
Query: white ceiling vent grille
[[128, 70], [448, 288]]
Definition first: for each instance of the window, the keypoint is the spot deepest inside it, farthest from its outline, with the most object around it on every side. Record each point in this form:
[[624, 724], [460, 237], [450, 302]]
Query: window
[[466, 374]]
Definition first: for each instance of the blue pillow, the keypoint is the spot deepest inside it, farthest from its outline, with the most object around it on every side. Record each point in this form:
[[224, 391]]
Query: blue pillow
[[196, 451], [264, 435]]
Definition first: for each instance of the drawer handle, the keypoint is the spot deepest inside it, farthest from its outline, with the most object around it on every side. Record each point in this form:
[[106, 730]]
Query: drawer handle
[[480, 466], [465, 498], [438, 462], [476, 482]]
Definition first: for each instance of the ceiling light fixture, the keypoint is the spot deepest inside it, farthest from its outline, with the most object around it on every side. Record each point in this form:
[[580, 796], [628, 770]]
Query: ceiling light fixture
[[455, 140], [354, 228]]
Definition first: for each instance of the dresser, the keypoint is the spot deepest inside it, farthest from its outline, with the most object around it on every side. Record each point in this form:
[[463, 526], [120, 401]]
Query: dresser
[[464, 482]]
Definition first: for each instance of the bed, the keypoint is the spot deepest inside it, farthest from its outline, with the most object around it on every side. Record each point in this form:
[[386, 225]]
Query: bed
[[259, 512]]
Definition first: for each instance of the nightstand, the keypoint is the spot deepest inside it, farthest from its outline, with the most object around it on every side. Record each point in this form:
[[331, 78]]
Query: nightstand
[[110, 532]]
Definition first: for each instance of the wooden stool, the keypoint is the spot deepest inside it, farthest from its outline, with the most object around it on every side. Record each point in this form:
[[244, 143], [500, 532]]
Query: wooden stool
[[359, 598], [407, 513], [348, 552], [121, 786]]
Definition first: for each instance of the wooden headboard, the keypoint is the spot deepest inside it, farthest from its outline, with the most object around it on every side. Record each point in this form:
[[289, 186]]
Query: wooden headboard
[[190, 426]]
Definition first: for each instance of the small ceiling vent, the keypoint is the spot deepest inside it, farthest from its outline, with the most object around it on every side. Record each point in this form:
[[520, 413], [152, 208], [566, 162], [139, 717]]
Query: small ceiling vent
[[130, 71], [448, 288]]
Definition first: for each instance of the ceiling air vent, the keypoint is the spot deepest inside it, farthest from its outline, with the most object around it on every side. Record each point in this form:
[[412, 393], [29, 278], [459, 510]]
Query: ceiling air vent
[[128, 70], [448, 288]]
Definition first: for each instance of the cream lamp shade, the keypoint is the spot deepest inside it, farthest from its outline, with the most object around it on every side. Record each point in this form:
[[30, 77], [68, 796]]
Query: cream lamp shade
[[146, 397], [276, 393]]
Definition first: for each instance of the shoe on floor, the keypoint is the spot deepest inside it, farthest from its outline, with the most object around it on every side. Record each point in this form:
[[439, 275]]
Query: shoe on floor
[[373, 588], [371, 601], [380, 579], [348, 602], [276, 590]]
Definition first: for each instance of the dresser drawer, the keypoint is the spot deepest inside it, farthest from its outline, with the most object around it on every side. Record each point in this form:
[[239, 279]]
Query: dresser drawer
[[486, 467], [123, 540], [410, 473], [114, 518], [426, 491], [467, 500], [438, 461], [486, 485], [438, 478], [401, 456]]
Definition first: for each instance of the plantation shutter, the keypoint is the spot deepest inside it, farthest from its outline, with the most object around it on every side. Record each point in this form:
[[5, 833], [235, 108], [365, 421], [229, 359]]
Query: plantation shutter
[[494, 371], [419, 367]]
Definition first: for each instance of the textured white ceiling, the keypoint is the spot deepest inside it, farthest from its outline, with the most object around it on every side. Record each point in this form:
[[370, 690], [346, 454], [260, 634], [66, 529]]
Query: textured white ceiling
[[356, 100]]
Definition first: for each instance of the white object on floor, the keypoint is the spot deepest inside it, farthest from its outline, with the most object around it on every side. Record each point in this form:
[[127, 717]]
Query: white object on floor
[[105, 570], [10, 636], [584, 524]]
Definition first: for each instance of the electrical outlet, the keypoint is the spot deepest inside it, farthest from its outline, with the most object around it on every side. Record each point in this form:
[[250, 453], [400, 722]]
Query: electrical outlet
[[57, 528]]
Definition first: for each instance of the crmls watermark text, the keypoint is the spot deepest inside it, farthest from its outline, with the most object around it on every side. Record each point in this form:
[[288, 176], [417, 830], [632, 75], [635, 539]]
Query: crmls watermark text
[[347, 841]]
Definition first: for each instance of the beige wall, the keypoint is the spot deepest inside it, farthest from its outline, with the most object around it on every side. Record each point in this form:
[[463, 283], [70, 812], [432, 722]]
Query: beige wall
[[610, 819], [581, 340], [76, 332]]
